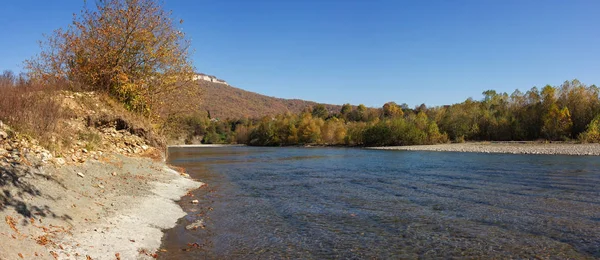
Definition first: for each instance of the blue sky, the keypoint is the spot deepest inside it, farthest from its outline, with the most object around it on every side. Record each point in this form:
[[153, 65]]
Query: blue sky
[[370, 52]]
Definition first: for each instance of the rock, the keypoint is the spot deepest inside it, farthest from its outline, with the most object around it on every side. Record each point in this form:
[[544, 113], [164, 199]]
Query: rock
[[80, 174], [197, 224], [84, 150], [100, 186], [145, 147], [195, 201], [60, 161], [114, 174], [3, 135]]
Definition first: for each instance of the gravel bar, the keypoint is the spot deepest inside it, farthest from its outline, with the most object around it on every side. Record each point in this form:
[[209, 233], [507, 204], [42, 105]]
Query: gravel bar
[[505, 147]]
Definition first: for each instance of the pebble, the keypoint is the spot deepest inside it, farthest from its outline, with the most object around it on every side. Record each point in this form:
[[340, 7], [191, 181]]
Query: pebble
[[197, 224], [195, 201], [508, 147], [60, 161], [80, 174]]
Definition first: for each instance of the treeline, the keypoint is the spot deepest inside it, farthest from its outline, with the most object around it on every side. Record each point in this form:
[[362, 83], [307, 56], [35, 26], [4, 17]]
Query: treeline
[[352, 126], [567, 112], [553, 113]]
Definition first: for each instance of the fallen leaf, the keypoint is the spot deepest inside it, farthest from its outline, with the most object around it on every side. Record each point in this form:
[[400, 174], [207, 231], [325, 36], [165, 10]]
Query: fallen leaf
[[11, 223], [42, 240]]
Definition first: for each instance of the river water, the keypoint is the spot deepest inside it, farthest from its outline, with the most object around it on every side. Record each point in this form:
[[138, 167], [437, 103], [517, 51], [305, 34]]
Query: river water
[[335, 203]]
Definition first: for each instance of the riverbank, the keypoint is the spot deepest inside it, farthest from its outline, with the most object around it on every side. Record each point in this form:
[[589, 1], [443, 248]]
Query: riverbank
[[110, 208], [102, 192], [505, 147]]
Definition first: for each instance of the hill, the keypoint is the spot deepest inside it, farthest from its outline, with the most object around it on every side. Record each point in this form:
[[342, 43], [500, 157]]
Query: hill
[[225, 101]]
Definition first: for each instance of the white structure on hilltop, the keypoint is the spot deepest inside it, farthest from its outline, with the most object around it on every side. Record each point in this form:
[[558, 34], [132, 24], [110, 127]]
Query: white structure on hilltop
[[210, 78]]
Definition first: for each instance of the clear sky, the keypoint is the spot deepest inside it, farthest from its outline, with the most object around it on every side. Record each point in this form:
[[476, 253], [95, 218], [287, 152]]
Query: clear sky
[[362, 51]]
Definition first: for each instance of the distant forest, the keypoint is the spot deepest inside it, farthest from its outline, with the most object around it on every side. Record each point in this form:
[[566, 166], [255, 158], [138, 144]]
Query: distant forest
[[569, 112]]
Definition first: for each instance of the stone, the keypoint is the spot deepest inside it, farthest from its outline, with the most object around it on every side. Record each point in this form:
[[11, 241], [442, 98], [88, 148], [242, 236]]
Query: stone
[[197, 224], [60, 161], [80, 174], [195, 201], [3, 135]]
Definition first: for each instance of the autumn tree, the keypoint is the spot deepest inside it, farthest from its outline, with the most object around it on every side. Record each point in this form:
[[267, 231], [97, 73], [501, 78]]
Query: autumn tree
[[391, 109], [320, 111], [130, 49], [592, 133], [583, 104], [557, 123], [346, 109], [309, 129]]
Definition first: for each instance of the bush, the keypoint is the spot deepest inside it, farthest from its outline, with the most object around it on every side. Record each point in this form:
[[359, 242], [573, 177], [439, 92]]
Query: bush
[[592, 134]]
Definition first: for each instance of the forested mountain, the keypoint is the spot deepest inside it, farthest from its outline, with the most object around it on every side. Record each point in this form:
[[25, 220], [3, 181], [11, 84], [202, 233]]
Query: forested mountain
[[224, 101], [568, 112]]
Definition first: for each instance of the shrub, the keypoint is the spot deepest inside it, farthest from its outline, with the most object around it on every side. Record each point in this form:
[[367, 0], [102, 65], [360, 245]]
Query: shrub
[[592, 134]]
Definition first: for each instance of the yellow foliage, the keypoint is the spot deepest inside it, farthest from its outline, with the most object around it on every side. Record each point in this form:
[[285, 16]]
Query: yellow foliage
[[130, 49]]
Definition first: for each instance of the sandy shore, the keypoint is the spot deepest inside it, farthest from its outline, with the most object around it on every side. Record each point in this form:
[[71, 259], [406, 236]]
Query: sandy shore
[[505, 147], [111, 208]]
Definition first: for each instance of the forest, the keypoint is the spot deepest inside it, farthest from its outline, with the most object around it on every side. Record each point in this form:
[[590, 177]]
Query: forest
[[569, 112]]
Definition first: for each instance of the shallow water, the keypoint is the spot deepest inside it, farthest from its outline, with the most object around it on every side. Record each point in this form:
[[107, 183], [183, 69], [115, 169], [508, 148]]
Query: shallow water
[[324, 203]]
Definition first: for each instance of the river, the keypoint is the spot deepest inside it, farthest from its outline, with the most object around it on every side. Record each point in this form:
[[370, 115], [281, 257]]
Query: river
[[342, 203]]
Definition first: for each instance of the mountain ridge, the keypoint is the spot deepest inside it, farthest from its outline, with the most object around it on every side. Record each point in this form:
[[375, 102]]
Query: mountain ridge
[[226, 101]]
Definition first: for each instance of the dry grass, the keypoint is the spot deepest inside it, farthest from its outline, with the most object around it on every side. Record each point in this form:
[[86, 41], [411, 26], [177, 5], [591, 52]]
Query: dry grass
[[59, 117], [26, 108]]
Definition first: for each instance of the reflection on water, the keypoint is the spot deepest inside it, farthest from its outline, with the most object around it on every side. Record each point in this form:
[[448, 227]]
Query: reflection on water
[[273, 203]]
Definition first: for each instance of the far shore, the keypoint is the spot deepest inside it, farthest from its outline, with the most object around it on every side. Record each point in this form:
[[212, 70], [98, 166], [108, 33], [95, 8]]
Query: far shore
[[504, 147], [204, 145]]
